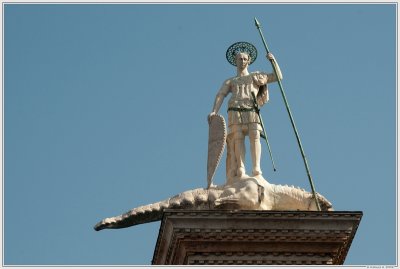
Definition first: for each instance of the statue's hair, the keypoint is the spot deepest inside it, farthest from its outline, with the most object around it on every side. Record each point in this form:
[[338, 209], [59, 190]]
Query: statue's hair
[[244, 52]]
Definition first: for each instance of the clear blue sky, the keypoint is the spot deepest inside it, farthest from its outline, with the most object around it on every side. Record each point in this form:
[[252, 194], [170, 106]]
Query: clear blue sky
[[105, 109]]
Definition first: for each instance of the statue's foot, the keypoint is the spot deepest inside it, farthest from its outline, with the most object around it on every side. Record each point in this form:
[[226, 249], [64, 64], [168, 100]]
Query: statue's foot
[[241, 174], [257, 172], [244, 176], [260, 178], [211, 186]]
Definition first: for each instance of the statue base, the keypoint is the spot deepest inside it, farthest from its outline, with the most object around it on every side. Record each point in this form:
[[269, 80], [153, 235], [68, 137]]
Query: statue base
[[221, 237]]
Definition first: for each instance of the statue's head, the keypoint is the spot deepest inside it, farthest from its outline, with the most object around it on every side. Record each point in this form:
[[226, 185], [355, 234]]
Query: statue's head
[[242, 59], [241, 51]]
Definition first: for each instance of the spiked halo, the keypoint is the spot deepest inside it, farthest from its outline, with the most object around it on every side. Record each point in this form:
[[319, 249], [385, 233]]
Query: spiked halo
[[241, 47]]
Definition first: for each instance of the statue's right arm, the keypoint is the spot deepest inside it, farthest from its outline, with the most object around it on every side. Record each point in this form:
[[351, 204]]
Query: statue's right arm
[[219, 99]]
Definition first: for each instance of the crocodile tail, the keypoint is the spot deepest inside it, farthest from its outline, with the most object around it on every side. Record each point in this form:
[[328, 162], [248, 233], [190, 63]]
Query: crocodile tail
[[197, 198], [139, 215]]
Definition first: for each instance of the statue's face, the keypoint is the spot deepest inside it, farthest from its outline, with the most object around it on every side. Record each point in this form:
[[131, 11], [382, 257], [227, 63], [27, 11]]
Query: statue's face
[[242, 60]]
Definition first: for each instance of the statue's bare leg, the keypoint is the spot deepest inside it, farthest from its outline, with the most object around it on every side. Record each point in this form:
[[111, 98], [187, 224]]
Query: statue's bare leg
[[255, 148], [240, 152]]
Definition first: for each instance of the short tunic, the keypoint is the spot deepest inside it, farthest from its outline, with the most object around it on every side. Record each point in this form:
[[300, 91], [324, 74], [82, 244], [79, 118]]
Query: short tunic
[[241, 89]]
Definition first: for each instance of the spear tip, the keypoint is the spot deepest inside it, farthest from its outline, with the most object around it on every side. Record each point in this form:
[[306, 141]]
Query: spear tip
[[256, 22]]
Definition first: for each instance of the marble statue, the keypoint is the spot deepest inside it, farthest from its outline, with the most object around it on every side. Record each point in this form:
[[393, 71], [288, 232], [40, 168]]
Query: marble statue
[[241, 191], [242, 117]]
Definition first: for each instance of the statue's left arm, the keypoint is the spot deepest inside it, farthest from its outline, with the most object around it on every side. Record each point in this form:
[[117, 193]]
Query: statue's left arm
[[272, 76], [261, 80]]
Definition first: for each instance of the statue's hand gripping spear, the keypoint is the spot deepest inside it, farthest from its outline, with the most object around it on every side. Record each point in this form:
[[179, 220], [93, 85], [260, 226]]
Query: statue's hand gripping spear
[[290, 116]]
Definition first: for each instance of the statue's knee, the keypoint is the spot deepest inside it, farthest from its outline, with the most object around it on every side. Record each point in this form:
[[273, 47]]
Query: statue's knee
[[254, 134], [238, 136]]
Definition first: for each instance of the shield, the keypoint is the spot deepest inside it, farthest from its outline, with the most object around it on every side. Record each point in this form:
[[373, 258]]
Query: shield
[[216, 144]]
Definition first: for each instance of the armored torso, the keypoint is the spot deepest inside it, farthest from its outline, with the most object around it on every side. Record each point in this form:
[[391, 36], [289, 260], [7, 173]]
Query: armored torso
[[241, 88], [240, 104]]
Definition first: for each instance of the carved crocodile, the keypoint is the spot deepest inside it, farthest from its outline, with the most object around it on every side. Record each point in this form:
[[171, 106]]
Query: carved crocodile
[[252, 193]]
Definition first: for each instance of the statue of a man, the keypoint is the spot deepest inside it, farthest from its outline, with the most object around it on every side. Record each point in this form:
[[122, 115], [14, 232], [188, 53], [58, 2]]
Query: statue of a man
[[243, 119]]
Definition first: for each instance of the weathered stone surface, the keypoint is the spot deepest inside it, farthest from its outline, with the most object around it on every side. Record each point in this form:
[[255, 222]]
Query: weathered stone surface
[[216, 145], [248, 91], [252, 193], [212, 237]]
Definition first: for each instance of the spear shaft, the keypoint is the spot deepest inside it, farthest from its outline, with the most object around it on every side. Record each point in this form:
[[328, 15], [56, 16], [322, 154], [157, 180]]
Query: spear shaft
[[291, 117]]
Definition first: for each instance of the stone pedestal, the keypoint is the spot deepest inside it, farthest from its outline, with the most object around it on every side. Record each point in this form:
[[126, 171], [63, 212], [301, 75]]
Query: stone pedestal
[[214, 237]]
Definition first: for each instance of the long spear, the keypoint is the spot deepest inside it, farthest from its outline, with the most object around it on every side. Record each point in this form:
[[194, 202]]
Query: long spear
[[291, 118]]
